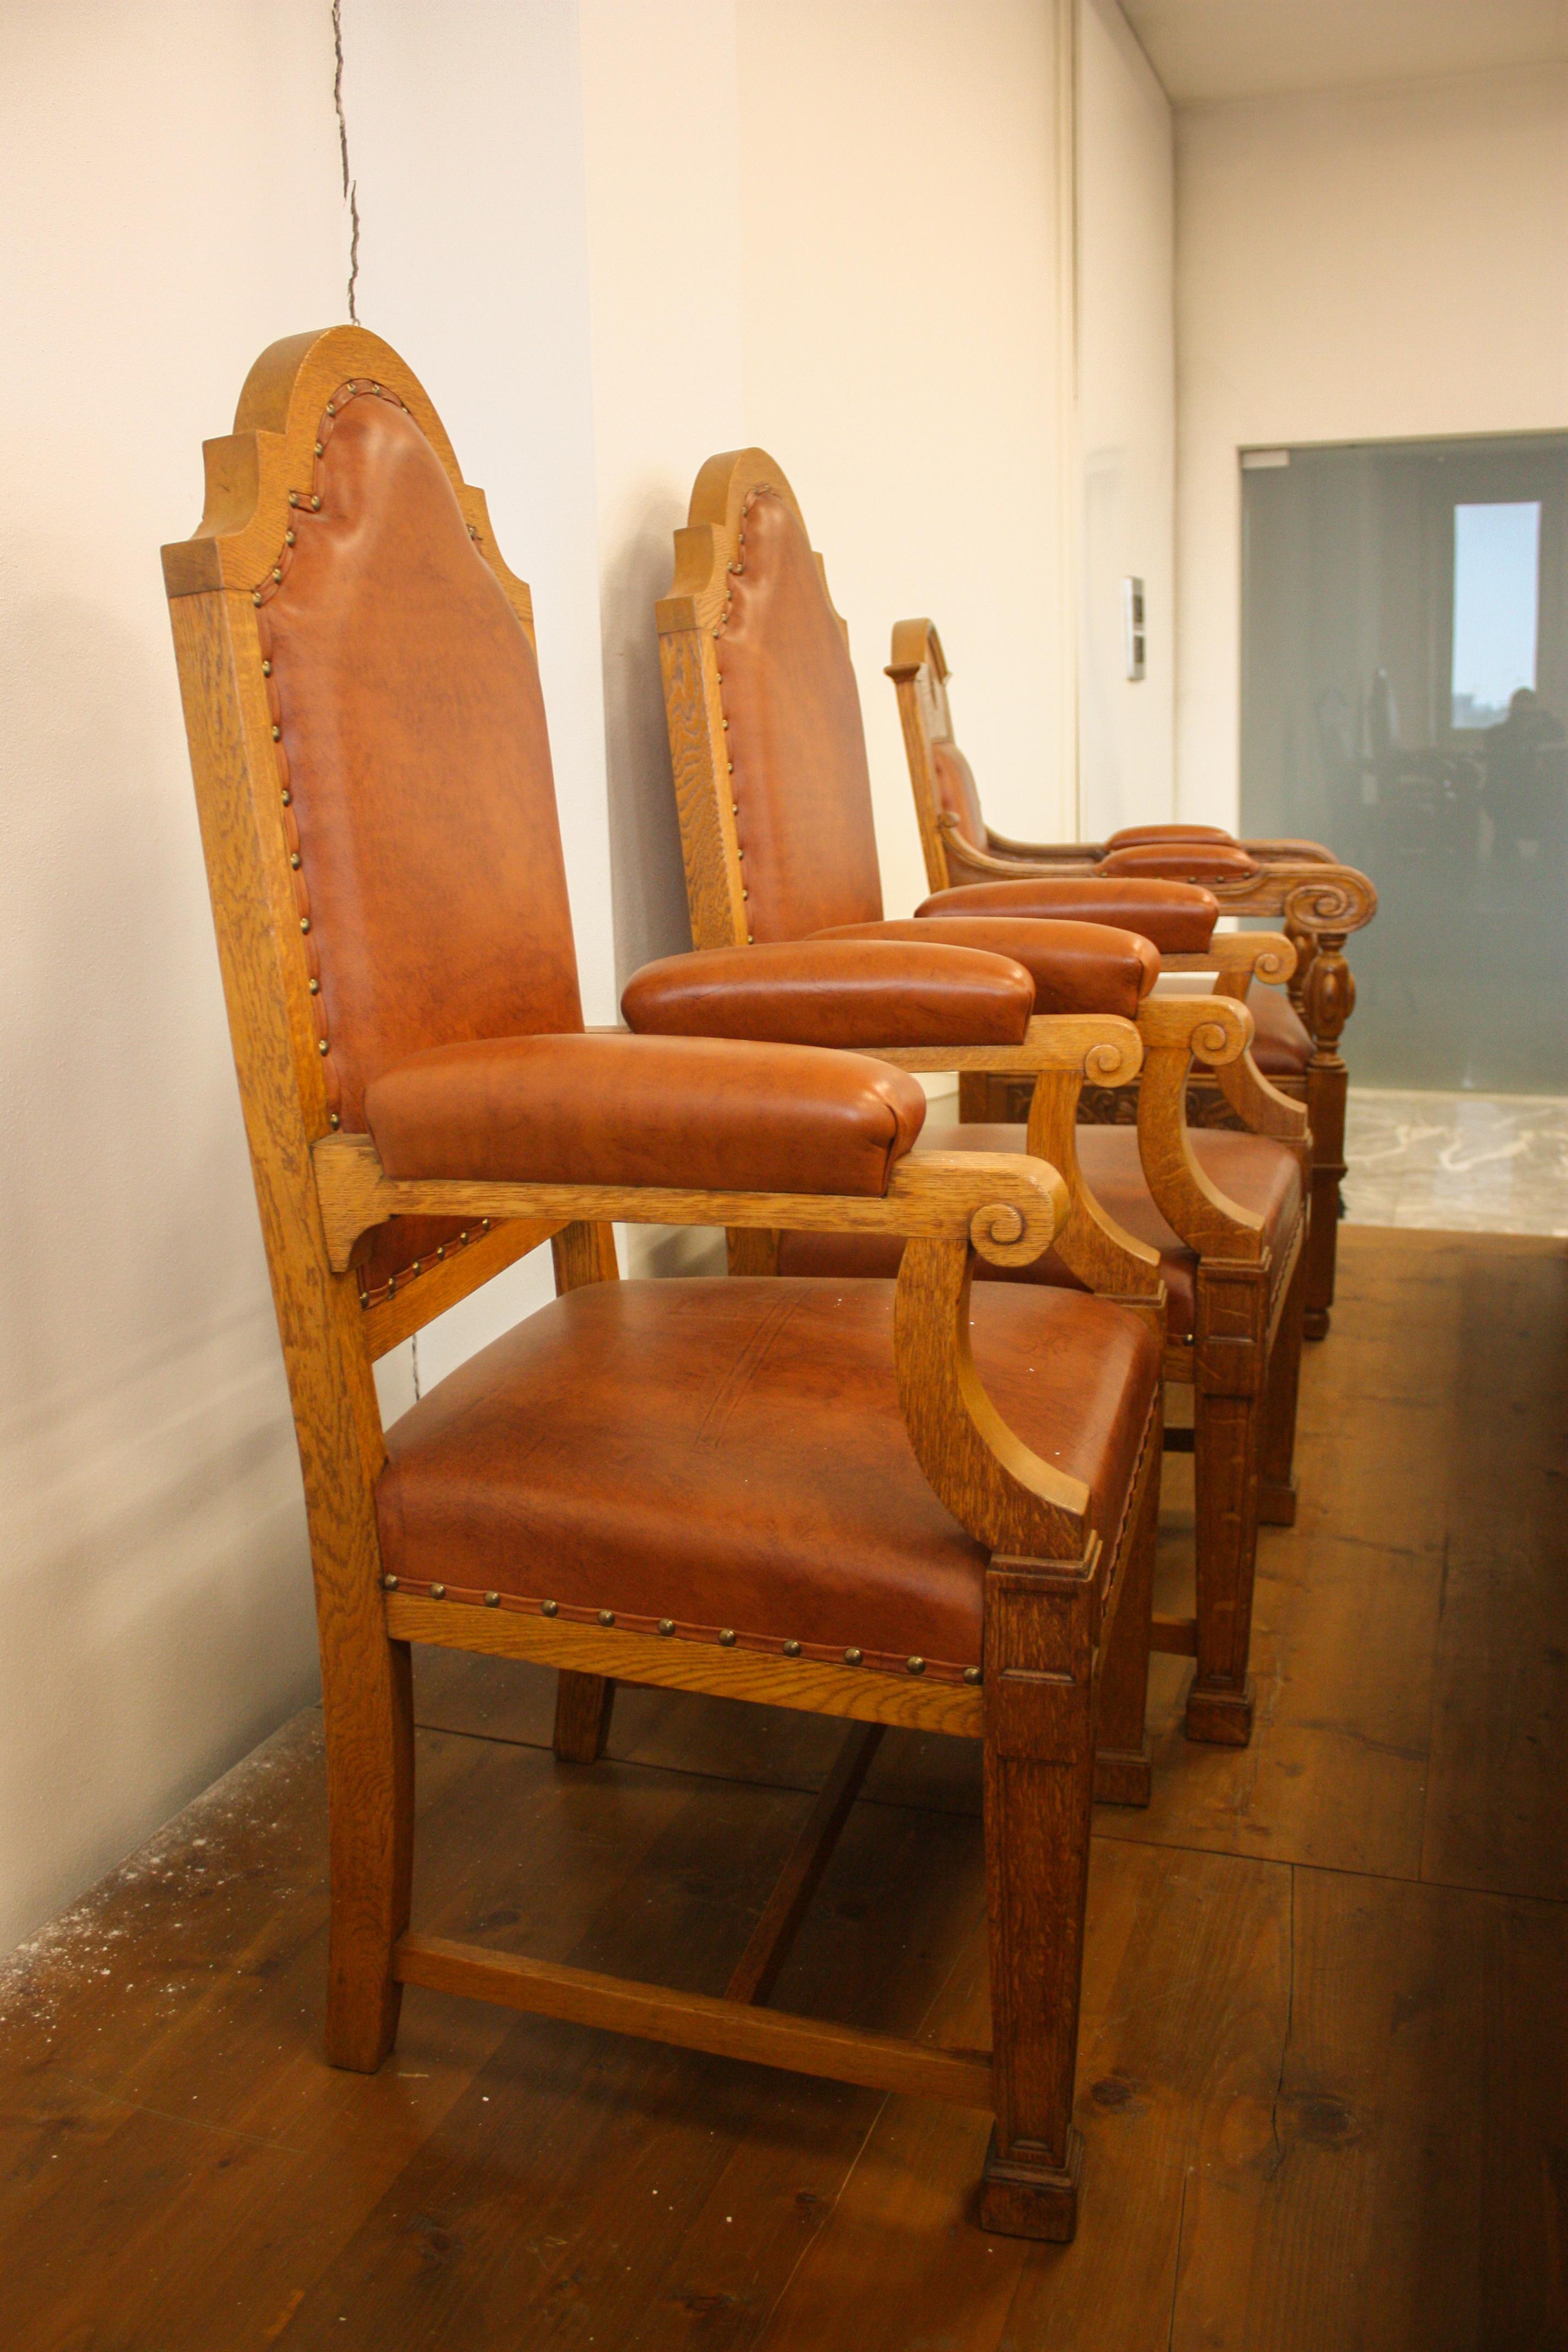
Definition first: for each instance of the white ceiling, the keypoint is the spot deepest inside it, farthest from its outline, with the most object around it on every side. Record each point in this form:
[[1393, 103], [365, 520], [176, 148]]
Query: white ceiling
[[1242, 48]]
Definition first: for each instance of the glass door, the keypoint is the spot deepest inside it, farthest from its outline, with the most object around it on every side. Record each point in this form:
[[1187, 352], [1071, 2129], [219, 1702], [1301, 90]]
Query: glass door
[[1404, 698]]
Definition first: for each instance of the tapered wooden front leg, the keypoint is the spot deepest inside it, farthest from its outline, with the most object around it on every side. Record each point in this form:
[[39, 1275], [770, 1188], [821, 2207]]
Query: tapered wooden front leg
[[1123, 1773], [1039, 1777], [368, 1706], [583, 1704], [1277, 1477], [1228, 1365]]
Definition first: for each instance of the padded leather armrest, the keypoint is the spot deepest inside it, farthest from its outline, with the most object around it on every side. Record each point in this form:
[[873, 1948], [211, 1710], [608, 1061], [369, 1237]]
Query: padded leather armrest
[[1132, 835], [1208, 861], [1075, 967], [836, 993], [677, 1112], [1291, 853], [1176, 917]]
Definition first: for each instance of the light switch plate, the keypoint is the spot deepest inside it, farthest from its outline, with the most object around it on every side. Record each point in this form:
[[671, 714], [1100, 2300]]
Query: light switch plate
[[1134, 636]]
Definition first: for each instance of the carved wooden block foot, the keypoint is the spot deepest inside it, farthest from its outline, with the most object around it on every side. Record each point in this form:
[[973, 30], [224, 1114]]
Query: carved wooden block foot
[[1123, 1776], [1315, 1323], [362, 2023], [1277, 1505], [1220, 1717], [1024, 2201]]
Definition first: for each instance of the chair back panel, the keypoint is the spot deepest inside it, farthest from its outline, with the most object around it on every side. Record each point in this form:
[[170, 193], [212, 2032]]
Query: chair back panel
[[793, 734], [413, 740], [957, 792]]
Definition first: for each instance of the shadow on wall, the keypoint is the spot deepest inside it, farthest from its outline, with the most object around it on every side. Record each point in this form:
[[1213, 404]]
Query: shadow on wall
[[152, 1558], [648, 877]]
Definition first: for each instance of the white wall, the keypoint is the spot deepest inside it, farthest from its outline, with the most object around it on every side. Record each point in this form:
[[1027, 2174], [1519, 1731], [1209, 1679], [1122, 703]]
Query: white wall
[[898, 191], [1126, 423], [1356, 264], [612, 237], [170, 193], [662, 137]]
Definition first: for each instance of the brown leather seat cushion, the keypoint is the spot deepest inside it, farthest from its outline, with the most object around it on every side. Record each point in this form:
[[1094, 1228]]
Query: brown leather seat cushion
[[1251, 1169], [1282, 1044], [1177, 919], [730, 1454]]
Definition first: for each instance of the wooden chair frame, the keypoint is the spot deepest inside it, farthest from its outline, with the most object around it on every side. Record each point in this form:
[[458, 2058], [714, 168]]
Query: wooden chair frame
[[1064, 1645], [1243, 1362], [1322, 904]]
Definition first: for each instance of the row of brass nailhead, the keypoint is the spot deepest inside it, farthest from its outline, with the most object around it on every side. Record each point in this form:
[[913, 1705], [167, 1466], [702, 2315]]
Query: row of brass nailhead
[[368, 1299], [719, 630], [309, 502], [727, 1635]]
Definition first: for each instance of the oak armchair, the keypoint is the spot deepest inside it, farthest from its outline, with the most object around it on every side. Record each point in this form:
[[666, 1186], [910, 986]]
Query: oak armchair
[[1297, 1041], [773, 794], [852, 1505]]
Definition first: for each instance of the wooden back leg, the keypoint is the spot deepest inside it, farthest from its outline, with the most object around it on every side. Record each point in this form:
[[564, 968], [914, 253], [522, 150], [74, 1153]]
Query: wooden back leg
[[583, 1704], [1228, 1360], [1327, 1001], [1039, 1786], [1123, 1772], [583, 1253], [1328, 1084], [1277, 1477]]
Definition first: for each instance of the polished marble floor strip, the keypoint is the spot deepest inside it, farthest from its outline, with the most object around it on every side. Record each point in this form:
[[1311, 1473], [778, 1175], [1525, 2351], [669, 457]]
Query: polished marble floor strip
[[1457, 1163]]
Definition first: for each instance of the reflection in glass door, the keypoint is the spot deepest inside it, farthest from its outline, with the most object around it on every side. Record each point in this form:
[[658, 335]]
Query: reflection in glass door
[[1404, 698]]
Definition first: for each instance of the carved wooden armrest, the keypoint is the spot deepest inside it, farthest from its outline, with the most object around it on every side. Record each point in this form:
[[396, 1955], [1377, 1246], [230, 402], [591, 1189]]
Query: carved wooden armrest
[[1051, 852], [1216, 1030], [1101, 1048], [1062, 1052], [1239, 958], [1318, 902], [1000, 1205], [1008, 1206], [1000, 861]]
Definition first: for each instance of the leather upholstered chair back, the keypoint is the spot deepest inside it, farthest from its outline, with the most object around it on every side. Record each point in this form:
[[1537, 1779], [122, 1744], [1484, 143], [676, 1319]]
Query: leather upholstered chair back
[[407, 742], [941, 778], [765, 717], [797, 742], [958, 793], [413, 738], [412, 744]]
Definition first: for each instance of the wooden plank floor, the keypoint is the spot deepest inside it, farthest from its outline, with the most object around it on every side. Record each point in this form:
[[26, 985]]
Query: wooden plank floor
[[1325, 2070]]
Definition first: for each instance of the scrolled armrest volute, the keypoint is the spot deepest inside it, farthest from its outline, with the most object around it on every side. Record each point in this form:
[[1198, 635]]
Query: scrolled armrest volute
[[1331, 899], [1268, 956], [1212, 1029]]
